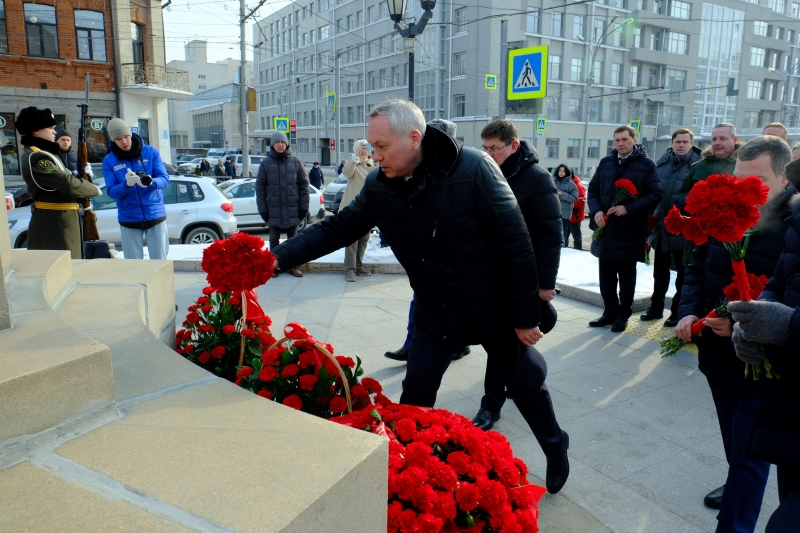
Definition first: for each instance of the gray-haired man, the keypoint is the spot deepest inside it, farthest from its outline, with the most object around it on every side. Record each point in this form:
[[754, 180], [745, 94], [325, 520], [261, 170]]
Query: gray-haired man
[[455, 226]]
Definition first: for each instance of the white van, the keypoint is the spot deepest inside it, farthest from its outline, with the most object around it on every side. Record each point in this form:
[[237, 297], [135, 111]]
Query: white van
[[255, 160]]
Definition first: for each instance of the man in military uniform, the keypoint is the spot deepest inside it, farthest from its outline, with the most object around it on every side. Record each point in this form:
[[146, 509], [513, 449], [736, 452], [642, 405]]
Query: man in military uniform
[[55, 223]]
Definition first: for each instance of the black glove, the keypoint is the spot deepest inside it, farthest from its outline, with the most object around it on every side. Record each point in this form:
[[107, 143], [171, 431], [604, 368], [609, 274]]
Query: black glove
[[265, 217], [303, 214]]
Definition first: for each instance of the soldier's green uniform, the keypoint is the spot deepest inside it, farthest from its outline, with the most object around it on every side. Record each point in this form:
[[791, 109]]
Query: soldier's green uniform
[[55, 191]]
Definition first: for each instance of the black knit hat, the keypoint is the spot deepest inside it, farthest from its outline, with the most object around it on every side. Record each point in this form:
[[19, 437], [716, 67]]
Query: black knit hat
[[31, 119], [62, 133]]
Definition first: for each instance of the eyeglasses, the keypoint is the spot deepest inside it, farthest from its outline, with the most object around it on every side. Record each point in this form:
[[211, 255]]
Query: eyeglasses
[[493, 149]]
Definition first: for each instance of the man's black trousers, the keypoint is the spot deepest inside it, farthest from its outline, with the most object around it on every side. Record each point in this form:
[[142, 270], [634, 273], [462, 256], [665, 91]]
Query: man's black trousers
[[523, 371], [612, 272], [661, 278]]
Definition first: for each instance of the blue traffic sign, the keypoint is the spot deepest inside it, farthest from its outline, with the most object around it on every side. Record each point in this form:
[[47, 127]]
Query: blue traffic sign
[[281, 124], [541, 124], [527, 73]]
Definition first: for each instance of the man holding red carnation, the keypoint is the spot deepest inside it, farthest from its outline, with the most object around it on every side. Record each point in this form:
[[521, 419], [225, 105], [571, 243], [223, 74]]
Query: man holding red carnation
[[454, 224], [625, 231], [737, 399]]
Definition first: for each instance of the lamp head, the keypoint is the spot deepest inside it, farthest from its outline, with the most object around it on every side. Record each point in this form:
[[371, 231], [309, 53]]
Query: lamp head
[[580, 38], [397, 9], [428, 5], [614, 19]]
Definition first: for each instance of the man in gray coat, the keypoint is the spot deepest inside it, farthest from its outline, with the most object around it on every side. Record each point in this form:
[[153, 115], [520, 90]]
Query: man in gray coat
[[282, 193], [672, 169]]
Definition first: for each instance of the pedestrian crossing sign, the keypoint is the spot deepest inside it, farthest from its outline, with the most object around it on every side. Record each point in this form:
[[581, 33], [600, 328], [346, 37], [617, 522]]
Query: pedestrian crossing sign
[[281, 124], [636, 125], [541, 124], [527, 73], [491, 82], [331, 101]]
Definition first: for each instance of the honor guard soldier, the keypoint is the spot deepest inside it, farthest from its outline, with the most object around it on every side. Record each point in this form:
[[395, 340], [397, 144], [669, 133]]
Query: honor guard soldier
[[55, 223]]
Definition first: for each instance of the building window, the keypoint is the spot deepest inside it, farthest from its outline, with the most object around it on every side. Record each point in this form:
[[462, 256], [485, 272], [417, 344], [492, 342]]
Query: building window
[[597, 72], [459, 105], [533, 24], [610, 147], [557, 24], [371, 14], [680, 10], [593, 149], [575, 109], [201, 87], [576, 71], [460, 64], [461, 20], [676, 43], [760, 28], [615, 112], [91, 34], [384, 9], [573, 148], [596, 110], [796, 10], [754, 89], [395, 77], [554, 107], [324, 32], [324, 5], [637, 37], [137, 32], [757, 56], [3, 32], [42, 35], [616, 74], [578, 26], [554, 67], [8, 144], [382, 77], [551, 148], [597, 34], [634, 81]]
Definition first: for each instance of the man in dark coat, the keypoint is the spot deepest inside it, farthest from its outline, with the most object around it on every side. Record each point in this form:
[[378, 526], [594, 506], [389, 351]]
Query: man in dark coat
[[737, 399], [667, 248], [230, 168], [538, 200], [770, 327], [455, 226], [315, 176], [205, 167], [623, 239], [282, 193], [55, 223], [68, 156]]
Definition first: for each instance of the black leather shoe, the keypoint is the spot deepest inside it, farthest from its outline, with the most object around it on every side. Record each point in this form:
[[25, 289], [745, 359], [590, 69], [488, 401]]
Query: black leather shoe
[[600, 322], [651, 314], [619, 325], [714, 498], [399, 355], [485, 419], [558, 469], [671, 322], [460, 352]]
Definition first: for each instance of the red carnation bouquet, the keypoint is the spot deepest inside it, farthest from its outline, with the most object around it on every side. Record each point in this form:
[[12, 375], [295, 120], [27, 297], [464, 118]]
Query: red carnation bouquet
[[238, 263], [213, 332], [307, 377], [726, 208], [447, 475], [756, 286], [625, 190]]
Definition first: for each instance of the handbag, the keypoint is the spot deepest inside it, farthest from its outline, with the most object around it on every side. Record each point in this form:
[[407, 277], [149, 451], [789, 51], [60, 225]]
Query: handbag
[[96, 250]]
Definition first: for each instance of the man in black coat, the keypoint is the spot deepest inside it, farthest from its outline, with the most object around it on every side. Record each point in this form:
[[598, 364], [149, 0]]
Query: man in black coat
[[737, 399], [538, 200], [623, 239], [672, 168], [455, 226], [315, 176]]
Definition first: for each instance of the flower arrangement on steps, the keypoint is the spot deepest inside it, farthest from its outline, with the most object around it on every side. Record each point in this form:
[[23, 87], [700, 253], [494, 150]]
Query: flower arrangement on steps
[[445, 475]]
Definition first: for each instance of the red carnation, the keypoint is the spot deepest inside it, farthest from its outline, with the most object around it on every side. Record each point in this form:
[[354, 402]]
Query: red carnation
[[372, 385], [267, 373], [264, 393], [227, 329], [338, 405], [203, 300], [293, 401], [308, 381], [208, 290], [307, 359], [233, 300], [359, 391], [626, 184], [206, 308], [246, 332], [345, 361], [290, 370], [756, 283], [468, 496], [237, 263], [218, 351], [205, 357], [244, 372]]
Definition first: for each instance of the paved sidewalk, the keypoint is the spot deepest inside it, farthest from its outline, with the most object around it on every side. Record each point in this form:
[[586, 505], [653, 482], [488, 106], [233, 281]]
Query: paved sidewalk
[[644, 440]]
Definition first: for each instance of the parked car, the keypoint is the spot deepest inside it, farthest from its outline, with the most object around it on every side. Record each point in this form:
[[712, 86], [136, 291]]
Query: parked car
[[242, 193], [333, 193], [9, 201], [185, 158], [255, 161], [197, 213]]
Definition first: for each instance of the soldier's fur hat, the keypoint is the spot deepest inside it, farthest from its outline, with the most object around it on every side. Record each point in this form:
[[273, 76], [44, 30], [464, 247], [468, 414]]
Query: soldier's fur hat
[[32, 119]]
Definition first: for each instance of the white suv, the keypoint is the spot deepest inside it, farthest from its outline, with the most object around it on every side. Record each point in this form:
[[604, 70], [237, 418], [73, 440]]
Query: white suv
[[197, 213], [255, 161]]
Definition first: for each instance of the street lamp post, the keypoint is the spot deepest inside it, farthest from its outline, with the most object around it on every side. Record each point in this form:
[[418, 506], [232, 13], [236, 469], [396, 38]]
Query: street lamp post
[[593, 48], [397, 9]]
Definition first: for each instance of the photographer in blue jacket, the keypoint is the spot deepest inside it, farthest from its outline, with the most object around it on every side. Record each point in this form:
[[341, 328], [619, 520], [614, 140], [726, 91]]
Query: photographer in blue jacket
[[135, 176]]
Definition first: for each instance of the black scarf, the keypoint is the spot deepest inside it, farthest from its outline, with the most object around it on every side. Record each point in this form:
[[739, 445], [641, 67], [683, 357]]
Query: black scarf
[[42, 144], [134, 153]]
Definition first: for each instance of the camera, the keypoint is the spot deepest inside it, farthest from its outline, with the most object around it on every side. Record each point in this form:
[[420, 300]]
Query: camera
[[146, 179]]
